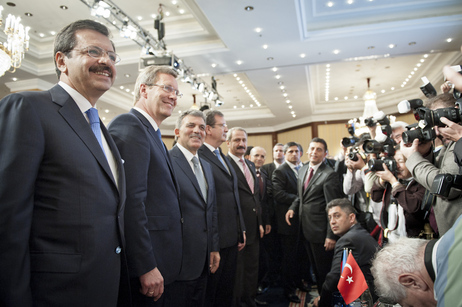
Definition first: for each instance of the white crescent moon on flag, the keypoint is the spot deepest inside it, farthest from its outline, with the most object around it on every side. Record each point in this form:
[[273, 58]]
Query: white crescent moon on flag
[[349, 266]]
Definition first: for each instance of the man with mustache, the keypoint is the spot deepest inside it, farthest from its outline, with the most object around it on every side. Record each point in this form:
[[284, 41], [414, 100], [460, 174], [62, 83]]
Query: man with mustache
[[199, 209], [153, 217], [62, 185], [247, 261]]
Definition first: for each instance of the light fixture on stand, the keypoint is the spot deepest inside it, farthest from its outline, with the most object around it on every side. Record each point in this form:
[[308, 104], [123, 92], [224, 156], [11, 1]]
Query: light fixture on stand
[[12, 51]]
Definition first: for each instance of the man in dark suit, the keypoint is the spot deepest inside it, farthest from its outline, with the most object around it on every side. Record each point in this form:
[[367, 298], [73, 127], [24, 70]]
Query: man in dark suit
[[258, 156], [199, 210], [152, 217], [247, 262], [62, 185], [285, 193], [317, 184], [278, 159], [342, 220], [231, 226]]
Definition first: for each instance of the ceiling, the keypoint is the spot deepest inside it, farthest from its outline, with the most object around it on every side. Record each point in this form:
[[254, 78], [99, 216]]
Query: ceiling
[[307, 42]]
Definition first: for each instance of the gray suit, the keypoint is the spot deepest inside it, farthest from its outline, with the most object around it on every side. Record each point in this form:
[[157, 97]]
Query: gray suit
[[446, 210]]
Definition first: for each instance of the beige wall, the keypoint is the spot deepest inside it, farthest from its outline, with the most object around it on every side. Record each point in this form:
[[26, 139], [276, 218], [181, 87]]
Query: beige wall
[[332, 134]]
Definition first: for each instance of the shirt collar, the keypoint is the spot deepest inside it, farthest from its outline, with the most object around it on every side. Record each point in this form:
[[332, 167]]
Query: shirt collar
[[148, 117]]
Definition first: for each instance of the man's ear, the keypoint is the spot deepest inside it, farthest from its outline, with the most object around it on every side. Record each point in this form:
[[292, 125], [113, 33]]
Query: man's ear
[[413, 281], [208, 129], [60, 59], [177, 132]]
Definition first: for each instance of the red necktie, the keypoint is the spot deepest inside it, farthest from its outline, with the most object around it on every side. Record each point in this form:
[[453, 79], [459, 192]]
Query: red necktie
[[310, 175]]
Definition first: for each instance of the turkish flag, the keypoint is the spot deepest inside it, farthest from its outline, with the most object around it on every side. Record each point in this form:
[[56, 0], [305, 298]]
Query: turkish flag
[[352, 282]]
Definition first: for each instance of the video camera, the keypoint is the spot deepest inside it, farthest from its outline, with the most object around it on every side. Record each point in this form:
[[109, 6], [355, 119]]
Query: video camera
[[443, 183]]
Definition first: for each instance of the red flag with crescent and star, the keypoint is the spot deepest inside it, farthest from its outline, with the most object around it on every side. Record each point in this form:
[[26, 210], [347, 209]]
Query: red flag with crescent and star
[[352, 282]]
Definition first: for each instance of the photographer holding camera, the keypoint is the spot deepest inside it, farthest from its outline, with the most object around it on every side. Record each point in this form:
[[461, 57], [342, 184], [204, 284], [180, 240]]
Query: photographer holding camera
[[447, 210], [402, 198]]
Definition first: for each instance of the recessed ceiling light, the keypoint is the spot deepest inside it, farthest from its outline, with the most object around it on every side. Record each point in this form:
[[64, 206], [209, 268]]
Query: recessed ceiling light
[[288, 101], [167, 14], [356, 97], [235, 75], [274, 69], [238, 62], [293, 115], [243, 106], [121, 87], [28, 14], [235, 107], [285, 95], [181, 11], [52, 32], [139, 18], [63, 7], [258, 30], [107, 110], [179, 111], [277, 76], [282, 87], [41, 35], [14, 79], [290, 107], [127, 90], [336, 98], [393, 88], [174, 2], [425, 56], [350, 1], [391, 46], [265, 46], [103, 118], [248, 8], [336, 51], [422, 60], [327, 65], [127, 75], [449, 40], [237, 78], [302, 55], [382, 91], [330, 4]]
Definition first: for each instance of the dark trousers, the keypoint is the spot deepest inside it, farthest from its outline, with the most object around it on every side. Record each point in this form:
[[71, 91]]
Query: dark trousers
[[269, 270], [295, 263], [321, 261], [221, 284], [189, 293], [245, 289]]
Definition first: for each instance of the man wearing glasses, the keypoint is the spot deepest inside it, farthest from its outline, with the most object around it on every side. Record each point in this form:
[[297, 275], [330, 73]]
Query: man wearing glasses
[[153, 220], [62, 188]]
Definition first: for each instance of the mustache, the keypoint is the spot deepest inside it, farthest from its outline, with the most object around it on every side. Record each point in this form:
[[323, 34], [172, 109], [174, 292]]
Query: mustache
[[241, 147], [101, 68]]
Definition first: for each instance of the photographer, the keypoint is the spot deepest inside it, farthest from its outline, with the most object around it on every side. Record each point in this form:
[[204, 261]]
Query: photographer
[[446, 209], [403, 216]]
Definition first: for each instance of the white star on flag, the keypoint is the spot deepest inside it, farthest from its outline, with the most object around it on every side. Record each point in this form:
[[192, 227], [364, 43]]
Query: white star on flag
[[350, 279]]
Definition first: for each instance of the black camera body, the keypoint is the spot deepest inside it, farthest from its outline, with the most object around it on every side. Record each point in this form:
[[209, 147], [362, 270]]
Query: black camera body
[[424, 135], [376, 165], [433, 117], [373, 146], [352, 140], [443, 183]]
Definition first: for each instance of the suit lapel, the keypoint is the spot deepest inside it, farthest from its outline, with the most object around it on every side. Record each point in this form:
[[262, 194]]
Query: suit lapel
[[206, 152], [74, 117], [315, 177], [184, 165]]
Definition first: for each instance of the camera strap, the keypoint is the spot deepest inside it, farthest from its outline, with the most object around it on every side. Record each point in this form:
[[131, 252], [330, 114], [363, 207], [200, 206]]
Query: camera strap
[[428, 258]]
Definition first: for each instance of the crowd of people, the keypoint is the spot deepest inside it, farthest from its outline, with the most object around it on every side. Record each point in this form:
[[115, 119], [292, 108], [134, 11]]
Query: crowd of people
[[96, 216]]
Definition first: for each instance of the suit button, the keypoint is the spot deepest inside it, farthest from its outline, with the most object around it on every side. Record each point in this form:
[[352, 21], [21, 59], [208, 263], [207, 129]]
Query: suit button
[[118, 250], [254, 210]]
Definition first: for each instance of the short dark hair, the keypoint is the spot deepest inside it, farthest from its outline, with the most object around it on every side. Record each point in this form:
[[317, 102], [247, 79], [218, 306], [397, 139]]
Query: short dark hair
[[65, 40], [210, 117], [288, 145], [319, 140], [344, 204]]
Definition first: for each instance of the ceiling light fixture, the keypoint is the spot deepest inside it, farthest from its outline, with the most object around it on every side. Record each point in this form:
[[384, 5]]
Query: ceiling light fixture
[[17, 43], [248, 8]]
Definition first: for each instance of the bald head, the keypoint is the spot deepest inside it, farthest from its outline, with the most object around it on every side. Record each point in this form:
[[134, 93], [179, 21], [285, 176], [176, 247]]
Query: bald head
[[258, 156]]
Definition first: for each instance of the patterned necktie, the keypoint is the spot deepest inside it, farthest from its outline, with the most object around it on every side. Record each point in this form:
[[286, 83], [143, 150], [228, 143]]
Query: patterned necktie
[[248, 176], [200, 177], [310, 175], [93, 117], [297, 168], [217, 153]]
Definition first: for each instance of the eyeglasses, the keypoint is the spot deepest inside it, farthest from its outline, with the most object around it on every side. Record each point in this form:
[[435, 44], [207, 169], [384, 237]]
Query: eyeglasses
[[221, 125], [97, 53], [168, 89]]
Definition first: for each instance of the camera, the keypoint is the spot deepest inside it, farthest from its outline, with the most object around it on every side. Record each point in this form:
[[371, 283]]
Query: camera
[[376, 165], [433, 117], [423, 134], [373, 146], [443, 183], [352, 155], [352, 140]]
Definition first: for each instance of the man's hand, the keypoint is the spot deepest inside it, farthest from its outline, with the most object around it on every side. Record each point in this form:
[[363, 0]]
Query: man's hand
[[446, 87], [452, 132], [316, 301], [355, 165], [267, 229], [214, 261], [240, 246], [329, 244], [453, 76], [152, 284], [289, 215], [262, 231], [409, 150], [386, 175]]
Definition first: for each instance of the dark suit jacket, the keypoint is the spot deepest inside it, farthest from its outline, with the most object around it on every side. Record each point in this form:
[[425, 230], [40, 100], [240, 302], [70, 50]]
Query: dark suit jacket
[[230, 219], [250, 202], [61, 213], [153, 216], [266, 199], [200, 228], [285, 193], [363, 247], [311, 203], [269, 169]]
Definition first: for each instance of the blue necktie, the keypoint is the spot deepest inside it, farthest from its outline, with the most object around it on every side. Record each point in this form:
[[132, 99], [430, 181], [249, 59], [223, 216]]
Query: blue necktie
[[94, 124], [217, 153], [159, 135], [200, 177]]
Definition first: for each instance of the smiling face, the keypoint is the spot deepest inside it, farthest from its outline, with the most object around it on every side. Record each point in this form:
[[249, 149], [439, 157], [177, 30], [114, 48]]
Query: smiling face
[[238, 143], [91, 77], [257, 156], [158, 103], [191, 134]]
